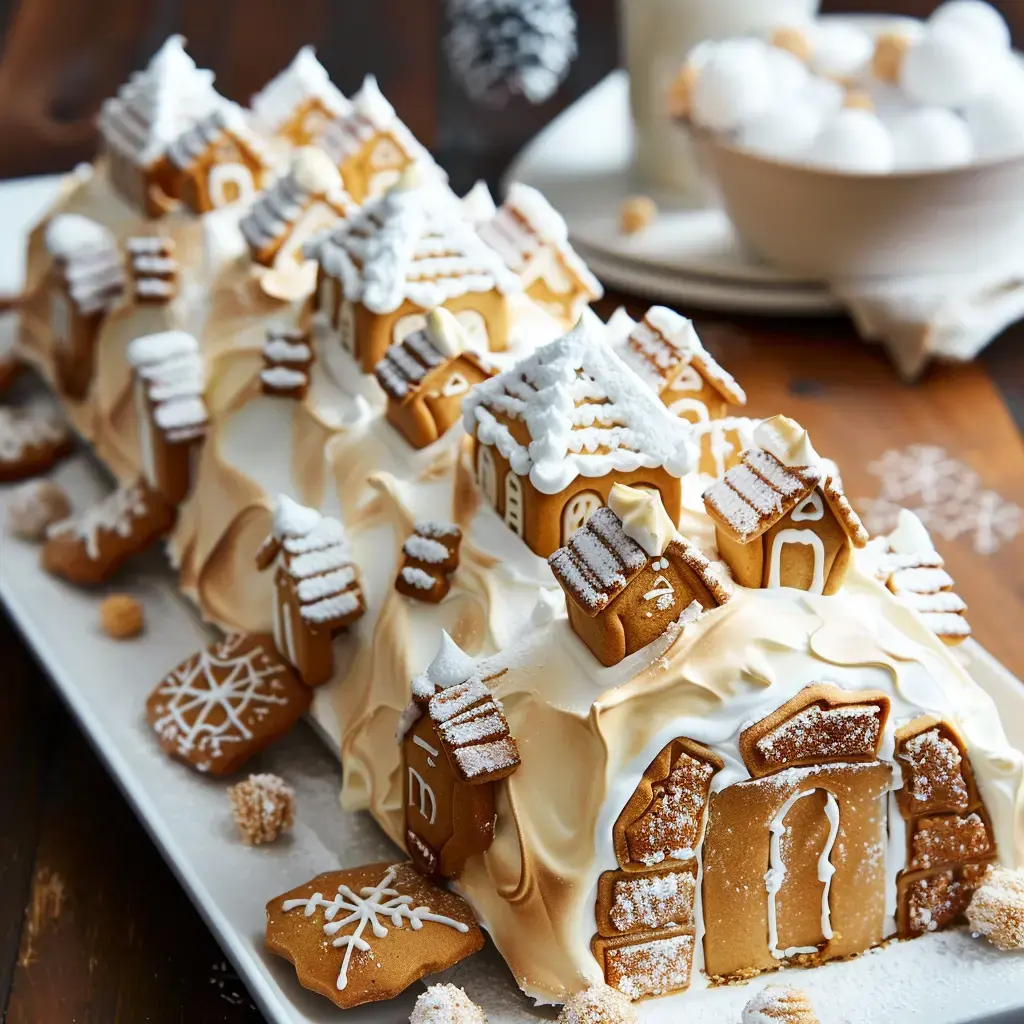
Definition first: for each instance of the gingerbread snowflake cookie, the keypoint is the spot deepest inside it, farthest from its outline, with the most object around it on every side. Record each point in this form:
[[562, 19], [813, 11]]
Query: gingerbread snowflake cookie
[[366, 934], [226, 703], [31, 441], [90, 548]]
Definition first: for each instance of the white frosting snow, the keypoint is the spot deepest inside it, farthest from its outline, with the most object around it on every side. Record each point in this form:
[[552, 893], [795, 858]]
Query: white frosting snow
[[305, 78]]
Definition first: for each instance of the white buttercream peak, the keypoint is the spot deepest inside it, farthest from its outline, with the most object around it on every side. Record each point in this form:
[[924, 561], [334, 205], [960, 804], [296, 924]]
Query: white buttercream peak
[[787, 441], [370, 103], [910, 536], [70, 233], [451, 664], [292, 519], [313, 171], [644, 518], [446, 333]]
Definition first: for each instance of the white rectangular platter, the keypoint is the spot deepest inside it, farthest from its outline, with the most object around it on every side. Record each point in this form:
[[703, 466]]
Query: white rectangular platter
[[949, 977]]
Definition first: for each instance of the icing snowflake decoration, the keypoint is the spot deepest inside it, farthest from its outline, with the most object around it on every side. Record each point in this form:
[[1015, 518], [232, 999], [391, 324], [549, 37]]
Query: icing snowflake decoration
[[367, 908], [208, 699]]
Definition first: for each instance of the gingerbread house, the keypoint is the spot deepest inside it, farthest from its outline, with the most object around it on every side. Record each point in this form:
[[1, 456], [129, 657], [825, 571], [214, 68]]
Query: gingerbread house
[[533, 240], [553, 434], [397, 258], [218, 161], [306, 200], [907, 563], [628, 576], [371, 146], [666, 352], [426, 376], [298, 103], [316, 587], [86, 280], [168, 383], [781, 519], [456, 748], [149, 112]]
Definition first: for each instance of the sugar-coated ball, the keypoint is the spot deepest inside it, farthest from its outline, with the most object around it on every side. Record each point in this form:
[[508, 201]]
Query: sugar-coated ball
[[733, 87], [784, 133], [946, 68], [840, 51], [996, 124], [975, 18], [855, 141], [931, 139]]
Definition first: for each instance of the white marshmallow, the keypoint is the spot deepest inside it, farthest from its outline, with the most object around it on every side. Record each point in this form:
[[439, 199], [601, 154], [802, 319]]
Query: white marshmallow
[[785, 133], [840, 51], [996, 123], [734, 86], [977, 19], [931, 139], [946, 68], [824, 95], [789, 75], [854, 141]]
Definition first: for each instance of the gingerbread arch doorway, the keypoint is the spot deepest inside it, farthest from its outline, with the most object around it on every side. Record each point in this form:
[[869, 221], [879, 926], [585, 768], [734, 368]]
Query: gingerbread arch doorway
[[230, 183], [577, 510], [487, 474]]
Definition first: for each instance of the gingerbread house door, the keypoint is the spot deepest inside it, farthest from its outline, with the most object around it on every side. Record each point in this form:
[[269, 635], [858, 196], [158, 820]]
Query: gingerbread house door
[[287, 624], [690, 407], [474, 324], [229, 183], [486, 474], [578, 509], [806, 538]]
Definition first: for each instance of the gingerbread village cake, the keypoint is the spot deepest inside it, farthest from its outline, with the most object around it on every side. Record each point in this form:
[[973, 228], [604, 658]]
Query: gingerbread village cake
[[620, 661]]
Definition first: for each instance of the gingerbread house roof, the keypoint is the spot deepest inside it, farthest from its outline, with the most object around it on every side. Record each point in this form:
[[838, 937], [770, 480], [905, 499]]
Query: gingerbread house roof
[[304, 79], [89, 260], [287, 359], [770, 482], [154, 267], [156, 105], [410, 244], [226, 119], [601, 560], [584, 411], [664, 344], [311, 177], [525, 224], [171, 365]]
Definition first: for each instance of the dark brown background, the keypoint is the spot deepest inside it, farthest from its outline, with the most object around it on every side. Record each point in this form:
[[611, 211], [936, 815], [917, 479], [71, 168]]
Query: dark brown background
[[93, 926]]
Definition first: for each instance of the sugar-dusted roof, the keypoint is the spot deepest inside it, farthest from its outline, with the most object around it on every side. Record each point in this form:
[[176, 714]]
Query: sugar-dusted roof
[[305, 78], [525, 224], [586, 412], [225, 119], [412, 243], [171, 365], [661, 345], [89, 259], [771, 480], [157, 104]]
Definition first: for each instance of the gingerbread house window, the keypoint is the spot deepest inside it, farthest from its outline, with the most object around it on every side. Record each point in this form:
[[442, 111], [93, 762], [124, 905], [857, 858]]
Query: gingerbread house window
[[619, 432], [514, 503], [399, 257]]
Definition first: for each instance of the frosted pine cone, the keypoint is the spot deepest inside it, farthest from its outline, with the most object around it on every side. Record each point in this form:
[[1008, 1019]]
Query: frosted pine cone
[[598, 1004], [446, 1004], [996, 910], [779, 1004], [263, 807]]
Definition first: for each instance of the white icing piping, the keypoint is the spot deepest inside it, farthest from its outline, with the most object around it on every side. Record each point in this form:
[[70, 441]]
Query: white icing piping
[[784, 537], [826, 869]]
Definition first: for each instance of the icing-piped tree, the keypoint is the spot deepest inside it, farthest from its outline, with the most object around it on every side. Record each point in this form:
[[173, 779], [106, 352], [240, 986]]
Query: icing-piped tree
[[781, 518]]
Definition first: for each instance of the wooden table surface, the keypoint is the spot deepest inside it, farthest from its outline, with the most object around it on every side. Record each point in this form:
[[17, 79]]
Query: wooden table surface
[[93, 925]]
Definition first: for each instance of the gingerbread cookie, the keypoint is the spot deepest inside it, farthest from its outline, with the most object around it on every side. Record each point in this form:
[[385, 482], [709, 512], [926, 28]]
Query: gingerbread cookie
[[366, 934], [31, 441], [431, 555], [90, 548], [226, 703]]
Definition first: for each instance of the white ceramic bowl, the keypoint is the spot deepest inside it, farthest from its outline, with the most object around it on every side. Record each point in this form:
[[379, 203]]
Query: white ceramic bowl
[[833, 225]]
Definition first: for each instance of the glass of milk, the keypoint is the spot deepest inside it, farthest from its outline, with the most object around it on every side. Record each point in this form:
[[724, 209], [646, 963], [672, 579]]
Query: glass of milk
[[657, 35]]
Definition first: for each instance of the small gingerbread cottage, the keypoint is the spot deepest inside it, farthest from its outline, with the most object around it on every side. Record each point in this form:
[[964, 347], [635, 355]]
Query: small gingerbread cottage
[[298, 103], [781, 520], [456, 748], [907, 563], [218, 161], [552, 434], [397, 258], [316, 587], [86, 280], [149, 112], [666, 352], [628, 576], [371, 146], [300, 204], [426, 376], [168, 383], [533, 240]]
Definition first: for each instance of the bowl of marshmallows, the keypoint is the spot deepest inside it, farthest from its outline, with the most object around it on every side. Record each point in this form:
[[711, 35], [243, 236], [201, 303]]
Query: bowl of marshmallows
[[859, 147]]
